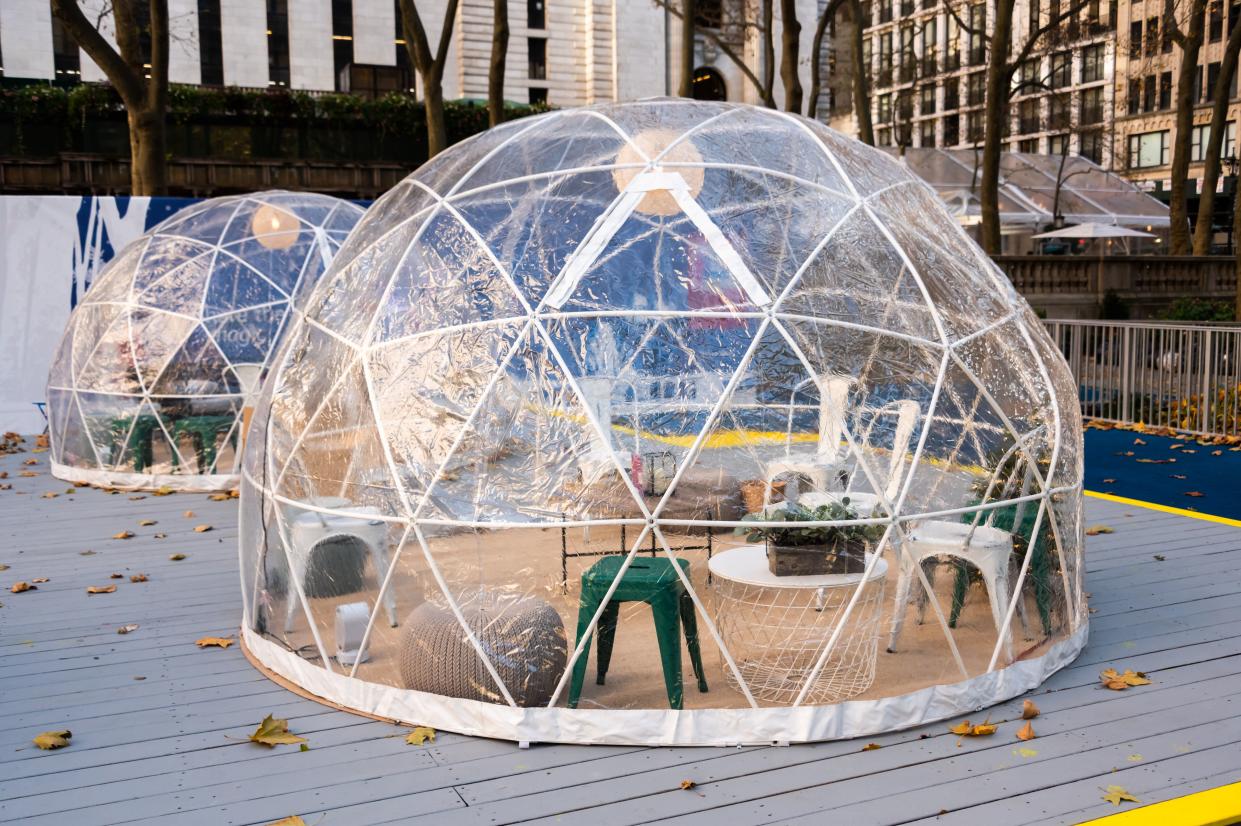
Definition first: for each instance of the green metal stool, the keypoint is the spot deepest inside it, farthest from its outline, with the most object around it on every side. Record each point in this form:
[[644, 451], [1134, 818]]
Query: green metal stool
[[655, 582], [138, 444], [203, 431]]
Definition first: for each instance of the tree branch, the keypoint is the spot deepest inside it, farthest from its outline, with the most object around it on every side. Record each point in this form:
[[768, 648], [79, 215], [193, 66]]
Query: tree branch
[[416, 37], [1036, 35], [724, 48], [127, 84], [157, 86]]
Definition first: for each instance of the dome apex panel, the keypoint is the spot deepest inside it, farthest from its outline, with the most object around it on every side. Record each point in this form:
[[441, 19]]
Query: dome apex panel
[[666, 422]]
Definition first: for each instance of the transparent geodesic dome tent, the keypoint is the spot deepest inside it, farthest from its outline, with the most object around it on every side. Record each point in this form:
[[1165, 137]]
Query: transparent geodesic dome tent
[[160, 362], [664, 422]]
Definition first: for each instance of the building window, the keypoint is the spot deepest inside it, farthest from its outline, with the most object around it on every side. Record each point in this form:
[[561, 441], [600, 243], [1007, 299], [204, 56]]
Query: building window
[[1092, 63], [973, 127], [952, 93], [1234, 13], [885, 59], [928, 99], [1028, 116], [952, 130], [1152, 35], [537, 50], [883, 137], [536, 14], [1134, 98], [1148, 93], [342, 41], [66, 59], [1058, 112], [1148, 149], [1029, 146], [952, 60], [1199, 92], [277, 43], [1091, 145], [1092, 106], [1215, 25], [1061, 70], [709, 84], [1201, 136], [538, 94], [908, 59], [1135, 39], [885, 108], [927, 130], [978, 26], [1058, 145], [977, 91], [930, 48], [885, 11], [1165, 90], [210, 47]]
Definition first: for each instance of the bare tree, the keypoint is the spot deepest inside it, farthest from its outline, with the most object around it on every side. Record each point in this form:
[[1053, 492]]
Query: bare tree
[[1204, 226], [144, 95], [1236, 233], [499, 57], [859, 72], [790, 41], [1189, 40], [430, 68], [689, 20], [767, 40], [729, 50], [1002, 64]]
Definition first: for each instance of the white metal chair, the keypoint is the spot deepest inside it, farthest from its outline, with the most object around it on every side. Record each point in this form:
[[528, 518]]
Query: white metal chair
[[311, 529], [824, 467]]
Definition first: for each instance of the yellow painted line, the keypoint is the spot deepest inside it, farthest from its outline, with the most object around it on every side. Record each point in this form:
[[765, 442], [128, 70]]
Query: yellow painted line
[[1122, 500], [1214, 807]]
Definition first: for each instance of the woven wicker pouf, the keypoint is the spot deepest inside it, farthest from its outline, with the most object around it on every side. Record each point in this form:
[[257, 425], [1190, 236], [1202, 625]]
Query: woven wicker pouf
[[524, 639]]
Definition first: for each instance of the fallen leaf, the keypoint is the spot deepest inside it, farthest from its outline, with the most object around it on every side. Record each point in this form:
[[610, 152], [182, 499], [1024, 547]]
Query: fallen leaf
[[3, 567], [1160, 557], [1157, 461], [1217, 453], [420, 735], [1134, 758], [137, 577], [1025, 752], [31, 462], [39, 580], [127, 629], [1139, 441], [1175, 447], [123, 535], [984, 729], [27, 473], [1116, 794], [1177, 476], [146, 522], [1195, 493], [1029, 710], [1095, 530], [19, 587], [1187, 450], [965, 729], [1026, 732], [218, 497], [871, 747], [117, 576], [291, 820], [160, 536], [49, 740], [101, 589], [201, 528], [1119, 682], [86, 553], [177, 557], [686, 785], [71, 490], [50, 495], [1108, 481], [272, 732], [163, 491], [136, 498], [217, 642], [303, 747], [189, 514]]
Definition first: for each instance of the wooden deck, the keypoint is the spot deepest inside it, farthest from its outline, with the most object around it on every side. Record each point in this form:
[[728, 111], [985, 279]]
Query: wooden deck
[[159, 726]]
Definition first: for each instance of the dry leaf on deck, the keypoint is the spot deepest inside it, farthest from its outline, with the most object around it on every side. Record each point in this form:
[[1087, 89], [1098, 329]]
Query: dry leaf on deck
[[123, 535], [1119, 682], [19, 587], [177, 557], [27, 473], [1116, 794], [218, 497], [1160, 557], [1139, 441], [86, 553], [31, 462], [1026, 732], [201, 528], [420, 735], [686, 785], [160, 536], [871, 747], [49, 740], [3, 567], [135, 498], [1217, 453], [146, 522], [188, 514], [1095, 530], [1029, 710], [965, 729], [164, 491], [218, 642], [101, 589], [291, 820], [1108, 481], [272, 732], [1195, 493], [39, 580], [127, 629], [50, 495], [137, 577]]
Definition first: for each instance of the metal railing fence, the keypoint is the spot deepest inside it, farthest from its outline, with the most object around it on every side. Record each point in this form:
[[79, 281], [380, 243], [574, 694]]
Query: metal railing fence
[[1182, 376]]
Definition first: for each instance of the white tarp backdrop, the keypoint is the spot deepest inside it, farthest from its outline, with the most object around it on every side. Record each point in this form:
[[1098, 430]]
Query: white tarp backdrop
[[50, 248]]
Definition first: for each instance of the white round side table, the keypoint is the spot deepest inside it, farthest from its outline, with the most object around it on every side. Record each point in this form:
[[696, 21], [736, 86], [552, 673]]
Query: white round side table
[[776, 627]]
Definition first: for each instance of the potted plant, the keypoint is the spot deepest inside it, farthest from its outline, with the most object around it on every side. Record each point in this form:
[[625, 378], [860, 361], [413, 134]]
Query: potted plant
[[812, 550]]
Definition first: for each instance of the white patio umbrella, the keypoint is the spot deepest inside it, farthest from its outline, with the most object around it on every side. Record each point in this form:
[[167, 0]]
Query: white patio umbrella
[[1093, 230]]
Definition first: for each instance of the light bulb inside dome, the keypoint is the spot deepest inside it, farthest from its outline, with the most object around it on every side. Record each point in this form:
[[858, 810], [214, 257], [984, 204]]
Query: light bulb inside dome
[[650, 143], [275, 228]]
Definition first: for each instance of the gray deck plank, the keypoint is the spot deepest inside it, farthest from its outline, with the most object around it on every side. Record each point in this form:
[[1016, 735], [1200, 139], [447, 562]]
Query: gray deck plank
[[171, 748]]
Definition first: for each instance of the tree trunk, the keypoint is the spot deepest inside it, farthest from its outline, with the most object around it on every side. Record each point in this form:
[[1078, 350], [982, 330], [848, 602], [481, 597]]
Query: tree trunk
[[148, 168], [499, 56], [790, 45], [769, 55], [1178, 210], [816, 61], [861, 90], [689, 19], [1236, 237], [1204, 226], [994, 112], [433, 104]]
